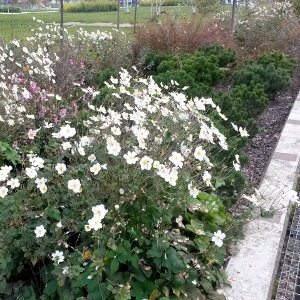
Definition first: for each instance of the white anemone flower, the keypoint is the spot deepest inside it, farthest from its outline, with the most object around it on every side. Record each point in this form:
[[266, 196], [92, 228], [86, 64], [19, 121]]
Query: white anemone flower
[[13, 183], [60, 168], [31, 172], [58, 257], [218, 238], [81, 151], [3, 191], [243, 132], [95, 169], [179, 221], [66, 145], [40, 231], [40, 182], [207, 178], [199, 153], [67, 131], [74, 185], [131, 158], [95, 223], [236, 166], [177, 159], [92, 158], [43, 188], [99, 211], [146, 163]]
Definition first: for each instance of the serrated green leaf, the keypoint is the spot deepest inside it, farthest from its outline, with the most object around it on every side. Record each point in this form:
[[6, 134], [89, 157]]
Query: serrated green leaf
[[206, 285], [114, 266]]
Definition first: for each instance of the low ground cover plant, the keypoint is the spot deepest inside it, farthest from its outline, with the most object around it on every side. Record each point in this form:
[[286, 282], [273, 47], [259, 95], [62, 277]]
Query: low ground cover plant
[[114, 200]]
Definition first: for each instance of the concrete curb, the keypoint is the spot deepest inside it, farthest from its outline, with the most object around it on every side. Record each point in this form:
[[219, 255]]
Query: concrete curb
[[253, 267]]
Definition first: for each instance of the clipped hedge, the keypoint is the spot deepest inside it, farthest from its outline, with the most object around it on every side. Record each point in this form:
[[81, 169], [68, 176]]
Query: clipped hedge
[[95, 6], [165, 3], [10, 9]]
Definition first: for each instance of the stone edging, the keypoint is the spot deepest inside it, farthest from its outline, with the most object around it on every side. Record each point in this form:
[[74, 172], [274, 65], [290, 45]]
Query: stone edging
[[253, 267]]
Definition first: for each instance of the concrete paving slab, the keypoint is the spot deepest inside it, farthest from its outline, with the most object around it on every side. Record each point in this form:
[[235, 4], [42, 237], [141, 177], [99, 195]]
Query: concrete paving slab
[[253, 266]]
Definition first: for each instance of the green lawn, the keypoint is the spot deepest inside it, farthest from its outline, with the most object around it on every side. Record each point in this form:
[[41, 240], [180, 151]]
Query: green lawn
[[19, 26]]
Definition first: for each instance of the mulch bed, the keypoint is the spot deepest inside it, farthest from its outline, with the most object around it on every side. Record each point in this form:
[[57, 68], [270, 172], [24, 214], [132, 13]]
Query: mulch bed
[[271, 122]]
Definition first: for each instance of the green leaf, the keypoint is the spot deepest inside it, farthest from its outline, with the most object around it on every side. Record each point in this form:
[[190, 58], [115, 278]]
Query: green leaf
[[114, 266], [221, 254], [154, 252], [134, 260], [201, 244], [219, 182], [51, 288], [2, 273], [215, 296], [2, 284], [206, 285], [154, 295]]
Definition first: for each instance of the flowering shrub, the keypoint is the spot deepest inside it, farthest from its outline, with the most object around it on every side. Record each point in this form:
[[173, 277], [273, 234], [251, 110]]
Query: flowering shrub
[[111, 201], [168, 36], [268, 29]]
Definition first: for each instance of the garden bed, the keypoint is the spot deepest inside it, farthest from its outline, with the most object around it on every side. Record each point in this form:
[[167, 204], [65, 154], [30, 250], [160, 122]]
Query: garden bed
[[261, 147]]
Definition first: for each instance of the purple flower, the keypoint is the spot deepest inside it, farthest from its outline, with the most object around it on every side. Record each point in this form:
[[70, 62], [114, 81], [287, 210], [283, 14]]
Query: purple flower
[[81, 66], [71, 62], [34, 87], [42, 111], [63, 112]]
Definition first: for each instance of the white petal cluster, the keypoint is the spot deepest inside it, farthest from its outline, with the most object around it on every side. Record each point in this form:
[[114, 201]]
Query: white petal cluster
[[96, 222]]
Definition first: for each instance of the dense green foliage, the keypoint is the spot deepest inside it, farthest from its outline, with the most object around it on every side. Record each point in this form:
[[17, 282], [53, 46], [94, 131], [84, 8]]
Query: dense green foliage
[[244, 104], [273, 70], [296, 5], [165, 2], [10, 9], [199, 72], [93, 6]]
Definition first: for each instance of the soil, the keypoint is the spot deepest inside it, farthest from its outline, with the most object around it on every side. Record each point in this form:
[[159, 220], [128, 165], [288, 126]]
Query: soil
[[271, 122], [261, 147]]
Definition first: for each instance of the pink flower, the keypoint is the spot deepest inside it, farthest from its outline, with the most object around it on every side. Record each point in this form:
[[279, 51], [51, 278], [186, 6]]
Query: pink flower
[[31, 134], [71, 62], [63, 112]]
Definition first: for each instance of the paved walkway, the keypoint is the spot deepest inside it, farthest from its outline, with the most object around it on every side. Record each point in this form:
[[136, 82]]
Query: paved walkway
[[73, 24], [253, 267], [30, 12]]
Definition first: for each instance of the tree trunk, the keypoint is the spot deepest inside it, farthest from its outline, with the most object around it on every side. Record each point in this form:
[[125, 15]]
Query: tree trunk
[[135, 15], [233, 16], [118, 22], [61, 21]]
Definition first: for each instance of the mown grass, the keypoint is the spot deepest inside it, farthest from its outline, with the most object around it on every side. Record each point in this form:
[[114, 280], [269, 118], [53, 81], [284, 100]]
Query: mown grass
[[19, 26]]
